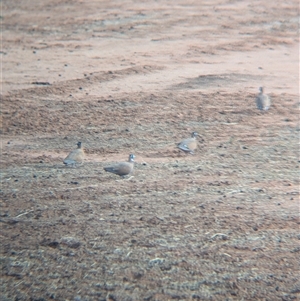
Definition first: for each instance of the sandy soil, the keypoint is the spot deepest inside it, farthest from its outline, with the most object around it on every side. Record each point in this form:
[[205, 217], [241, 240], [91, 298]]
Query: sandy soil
[[137, 77]]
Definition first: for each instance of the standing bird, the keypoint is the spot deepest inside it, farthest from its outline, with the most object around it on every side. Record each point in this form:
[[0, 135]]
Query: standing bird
[[75, 156], [263, 101], [123, 168], [189, 145]]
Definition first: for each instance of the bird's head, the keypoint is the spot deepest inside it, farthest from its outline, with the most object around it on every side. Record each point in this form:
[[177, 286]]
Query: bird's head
[[131, 157]]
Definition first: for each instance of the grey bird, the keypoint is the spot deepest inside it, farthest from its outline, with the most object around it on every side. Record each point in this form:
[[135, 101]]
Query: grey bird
[[263, 101], [75, 156], [122, 168], [189, 145]]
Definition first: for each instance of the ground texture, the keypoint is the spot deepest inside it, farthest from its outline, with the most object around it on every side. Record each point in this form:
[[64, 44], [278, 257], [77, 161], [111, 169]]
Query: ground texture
[[137, 77]]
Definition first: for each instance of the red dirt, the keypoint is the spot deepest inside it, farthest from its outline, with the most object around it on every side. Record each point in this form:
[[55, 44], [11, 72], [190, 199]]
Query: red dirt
[[127, 77]]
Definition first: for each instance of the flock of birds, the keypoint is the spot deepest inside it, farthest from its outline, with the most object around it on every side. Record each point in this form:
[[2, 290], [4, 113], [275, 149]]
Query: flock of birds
[[188, 145], [122, 169]]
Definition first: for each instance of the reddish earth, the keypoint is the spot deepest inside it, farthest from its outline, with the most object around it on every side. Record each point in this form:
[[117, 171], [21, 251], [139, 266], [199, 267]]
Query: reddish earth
[[137, 77]]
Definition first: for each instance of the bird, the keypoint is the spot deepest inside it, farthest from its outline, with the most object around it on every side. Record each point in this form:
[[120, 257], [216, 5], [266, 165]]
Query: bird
[[75, 156], [122, 168], [263, 101], [189, 145]]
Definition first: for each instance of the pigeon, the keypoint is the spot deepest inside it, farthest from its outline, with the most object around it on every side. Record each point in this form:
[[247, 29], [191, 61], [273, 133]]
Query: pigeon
[[122, 168], [75, 156], [263, 101], [189, 145]]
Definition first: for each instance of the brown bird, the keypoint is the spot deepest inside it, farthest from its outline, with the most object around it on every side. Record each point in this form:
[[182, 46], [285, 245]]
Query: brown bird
[[123, 168], [263, 101], [189, 145], [75, 156]]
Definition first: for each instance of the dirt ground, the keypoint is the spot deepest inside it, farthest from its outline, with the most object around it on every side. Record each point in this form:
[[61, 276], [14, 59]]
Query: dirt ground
[[137, 77]]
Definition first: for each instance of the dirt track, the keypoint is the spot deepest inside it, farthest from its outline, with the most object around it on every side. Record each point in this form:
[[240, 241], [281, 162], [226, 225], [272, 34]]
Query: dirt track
[[126, 77]]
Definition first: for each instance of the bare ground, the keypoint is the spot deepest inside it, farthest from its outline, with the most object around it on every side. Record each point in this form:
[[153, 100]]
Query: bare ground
[[126, 77]]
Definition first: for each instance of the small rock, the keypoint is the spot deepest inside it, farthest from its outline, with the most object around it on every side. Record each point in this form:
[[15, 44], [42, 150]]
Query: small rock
[[156, 261], [71, 242]]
